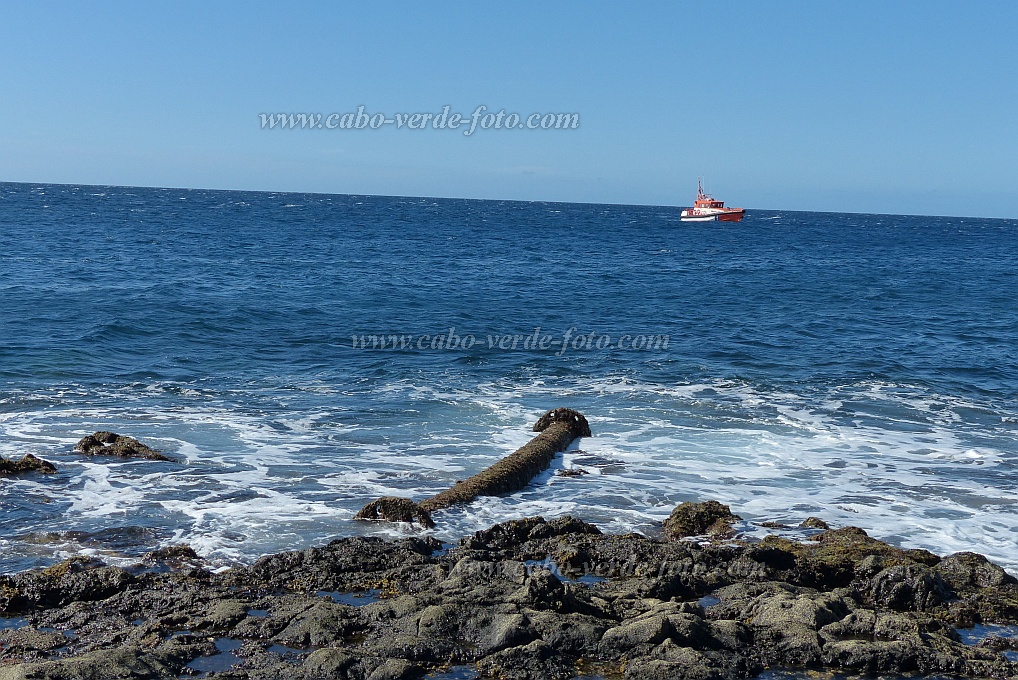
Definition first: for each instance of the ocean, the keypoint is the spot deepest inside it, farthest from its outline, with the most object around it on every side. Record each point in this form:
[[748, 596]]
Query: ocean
[[858, 368]]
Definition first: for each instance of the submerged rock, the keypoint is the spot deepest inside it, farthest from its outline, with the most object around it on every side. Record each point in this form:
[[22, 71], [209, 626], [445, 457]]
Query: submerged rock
[[27, 463], [110, 444]]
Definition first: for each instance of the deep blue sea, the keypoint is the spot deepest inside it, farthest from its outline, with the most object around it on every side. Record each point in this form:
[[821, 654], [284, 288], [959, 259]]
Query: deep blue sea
[[860, 368]]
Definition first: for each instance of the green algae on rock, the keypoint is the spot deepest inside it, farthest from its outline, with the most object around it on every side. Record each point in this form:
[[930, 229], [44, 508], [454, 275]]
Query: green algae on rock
[[698, 519], [558, 428]]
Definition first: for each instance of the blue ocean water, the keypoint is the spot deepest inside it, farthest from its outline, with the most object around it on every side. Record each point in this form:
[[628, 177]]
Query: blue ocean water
[[856, 367]]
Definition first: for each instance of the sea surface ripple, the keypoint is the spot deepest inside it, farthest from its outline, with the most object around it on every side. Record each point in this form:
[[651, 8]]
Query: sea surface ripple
[[856, 367]]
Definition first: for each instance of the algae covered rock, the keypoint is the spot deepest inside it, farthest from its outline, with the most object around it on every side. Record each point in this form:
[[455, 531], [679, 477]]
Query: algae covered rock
[[697, 519], [968, 569], [171, 553], [557, 428], [27, 463], [909, 587], [105, 443], [128, 662], [395, 509], [78, 579]]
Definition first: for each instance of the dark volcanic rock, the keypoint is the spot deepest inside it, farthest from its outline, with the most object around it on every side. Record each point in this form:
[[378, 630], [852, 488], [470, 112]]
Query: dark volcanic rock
[[966, 569], [845, 602], [696, 519], [909, 587], [110, 444], [27, 463], [171, 553], [75, 580], [395, 509]]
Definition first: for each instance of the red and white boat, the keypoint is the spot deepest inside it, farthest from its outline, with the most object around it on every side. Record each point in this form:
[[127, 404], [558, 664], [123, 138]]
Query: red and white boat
[[706, 209]]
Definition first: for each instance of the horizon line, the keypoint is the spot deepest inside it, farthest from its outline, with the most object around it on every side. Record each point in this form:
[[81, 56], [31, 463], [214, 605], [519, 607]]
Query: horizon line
[[463, 198]]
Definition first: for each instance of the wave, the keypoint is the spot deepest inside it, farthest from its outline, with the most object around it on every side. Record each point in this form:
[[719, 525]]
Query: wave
[[263, 470]]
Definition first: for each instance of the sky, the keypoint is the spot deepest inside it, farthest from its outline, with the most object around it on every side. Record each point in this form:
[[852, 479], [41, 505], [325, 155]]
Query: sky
[[890, 107]]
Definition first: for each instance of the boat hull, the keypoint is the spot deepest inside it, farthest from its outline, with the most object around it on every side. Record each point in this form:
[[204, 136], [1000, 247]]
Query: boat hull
[[721, 216]]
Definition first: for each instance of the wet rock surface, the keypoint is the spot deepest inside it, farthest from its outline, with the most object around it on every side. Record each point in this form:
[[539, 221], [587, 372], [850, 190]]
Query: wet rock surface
[[27, 463], [112, 444], [665, 609], [557, 428], [698, 519]]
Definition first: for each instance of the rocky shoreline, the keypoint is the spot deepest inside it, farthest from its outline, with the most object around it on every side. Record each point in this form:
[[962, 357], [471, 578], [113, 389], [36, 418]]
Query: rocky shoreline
[[524, 599]]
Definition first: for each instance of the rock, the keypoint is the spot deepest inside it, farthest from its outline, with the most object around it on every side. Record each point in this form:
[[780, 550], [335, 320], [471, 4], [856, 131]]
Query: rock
[[923, 557], [129, 662], [322, 624], [171, 553], [966, 569], [542, 589], [836, 557], [909, 587], [813, 523], [27, 463], [111, 444], [78, 579], [438, 620], [863, 656], [572, 472], [562, 526], [858, 624], [517, 531], [844, 602], [511, 630], [783, 620], [395, 509], [224, 614], [535, 660], [673, 661], [722, 528], [731, 635], [574, 634], [23, 641], [328, 663], [694, 519], [396, 669], [648, 630]]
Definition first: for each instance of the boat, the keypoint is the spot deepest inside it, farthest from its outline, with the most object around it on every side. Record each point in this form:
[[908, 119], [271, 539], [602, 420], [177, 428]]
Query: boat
[[706, 209]]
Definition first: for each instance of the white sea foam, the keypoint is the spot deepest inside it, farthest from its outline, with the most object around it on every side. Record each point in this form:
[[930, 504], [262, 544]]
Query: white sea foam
[[907, 465]]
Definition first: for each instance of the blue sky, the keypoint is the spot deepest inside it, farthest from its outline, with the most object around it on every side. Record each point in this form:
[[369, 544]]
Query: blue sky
[[900, 107]]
